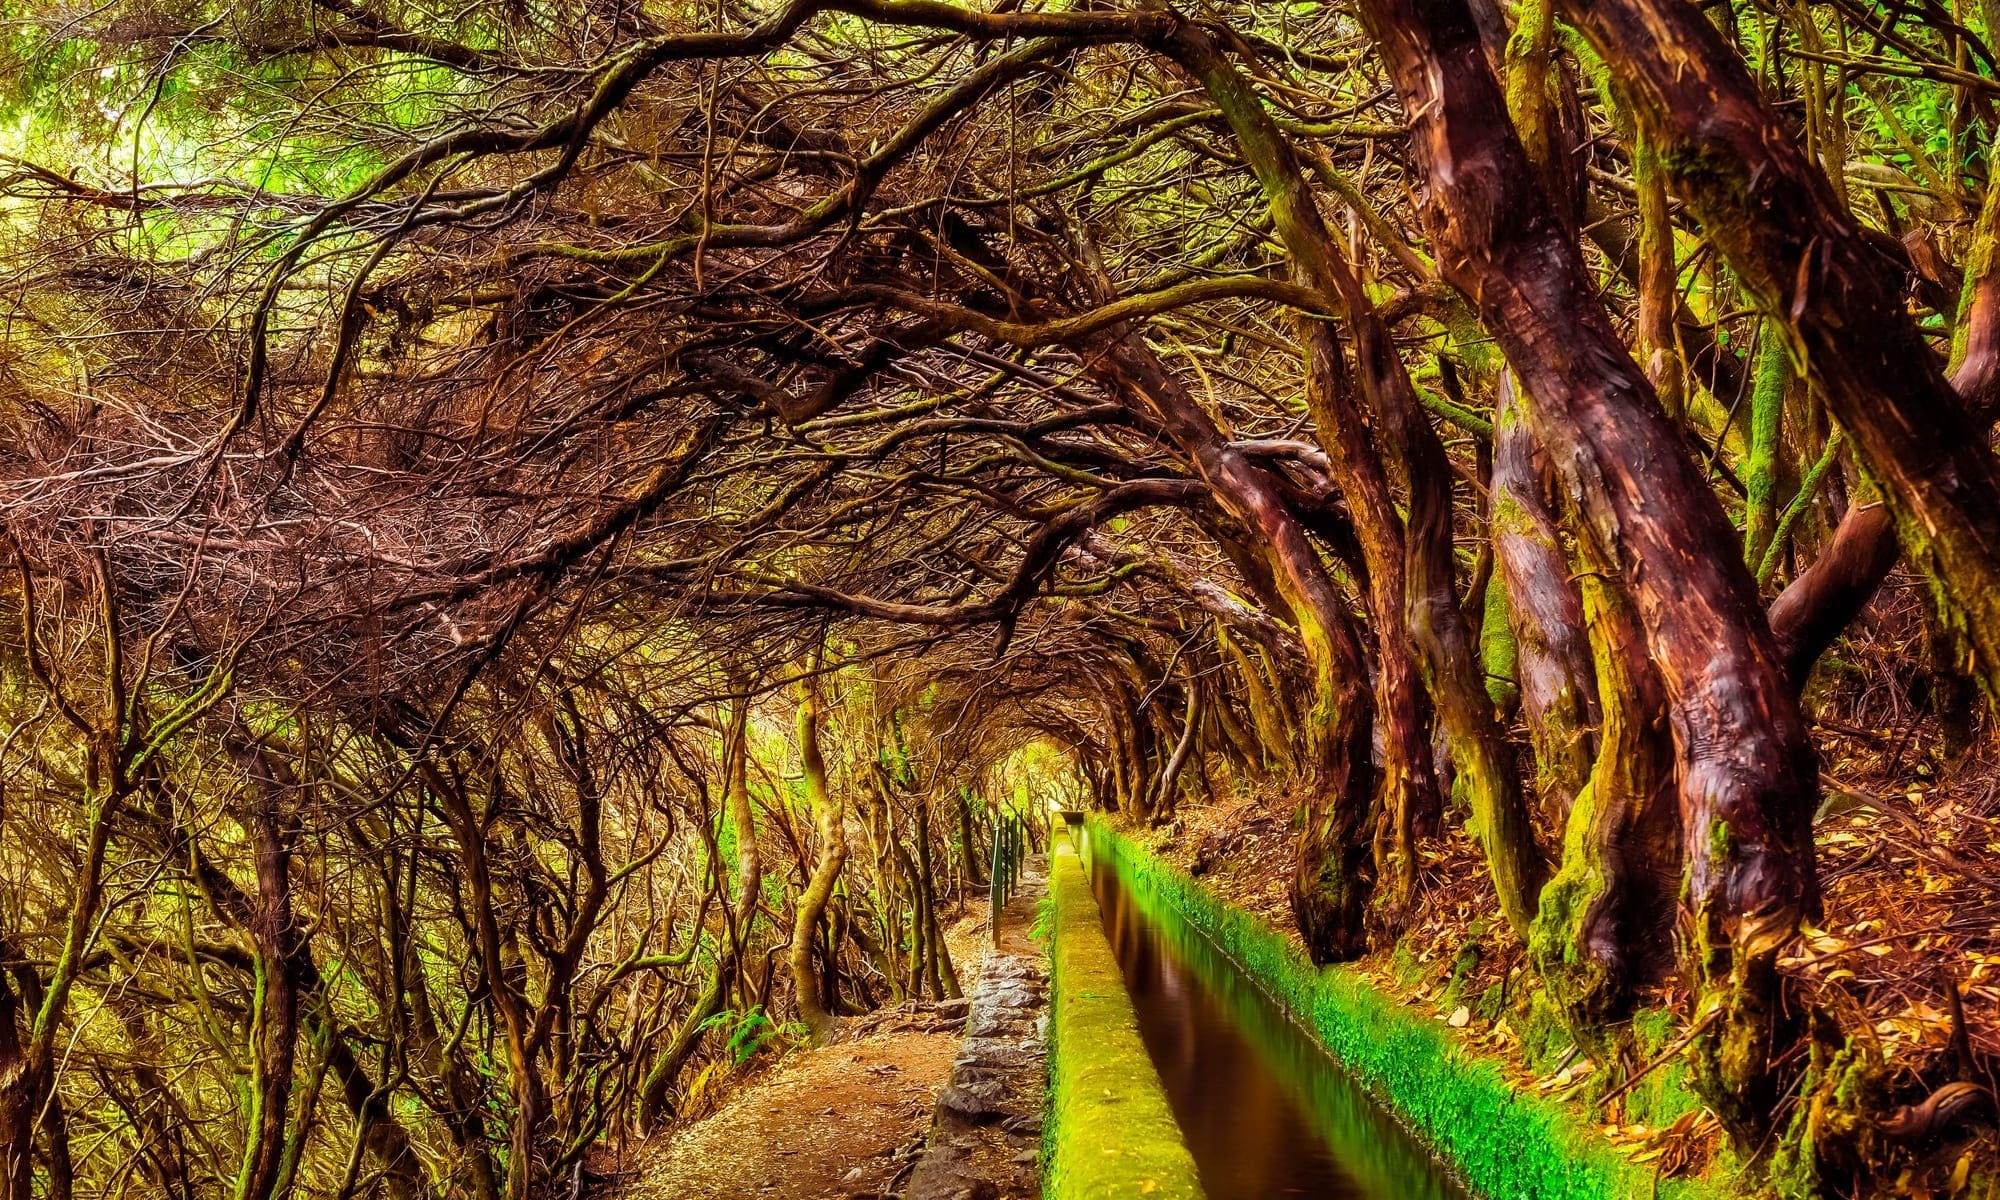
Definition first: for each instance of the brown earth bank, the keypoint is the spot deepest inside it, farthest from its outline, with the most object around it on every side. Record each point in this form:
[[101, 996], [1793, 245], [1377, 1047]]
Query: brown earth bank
[[857, 1115]]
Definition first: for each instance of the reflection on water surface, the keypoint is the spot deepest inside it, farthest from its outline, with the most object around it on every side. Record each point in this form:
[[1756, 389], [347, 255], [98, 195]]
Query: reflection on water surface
[[1266, 1113]]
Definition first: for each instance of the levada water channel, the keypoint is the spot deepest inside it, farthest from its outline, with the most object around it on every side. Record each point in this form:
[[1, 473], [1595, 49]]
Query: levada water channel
[[1266, 1112]]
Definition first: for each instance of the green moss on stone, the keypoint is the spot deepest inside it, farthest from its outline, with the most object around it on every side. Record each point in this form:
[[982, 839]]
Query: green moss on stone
[[1110, 1132]]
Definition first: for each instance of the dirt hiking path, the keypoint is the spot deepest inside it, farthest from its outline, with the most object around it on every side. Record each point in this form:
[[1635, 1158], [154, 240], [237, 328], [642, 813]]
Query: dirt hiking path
[[842, 1121]]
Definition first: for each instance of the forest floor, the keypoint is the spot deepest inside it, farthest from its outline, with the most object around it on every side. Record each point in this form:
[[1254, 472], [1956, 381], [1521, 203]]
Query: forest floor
[[843, 1120], [840, 1120], [1909, 868]]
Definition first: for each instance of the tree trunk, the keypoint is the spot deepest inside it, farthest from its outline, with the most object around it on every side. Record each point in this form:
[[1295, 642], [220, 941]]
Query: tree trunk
[[1408, 798], [1781, 226], [1552, 655], [749, 879], [938, 967], [830, 818], [1274, 737], [1333, 876], [1760, 470], [1191, 713], [274, 998], [1659, 281], [1607, 915], [28, 1065], [1747, 779], [1429, 608], [1825, 597]]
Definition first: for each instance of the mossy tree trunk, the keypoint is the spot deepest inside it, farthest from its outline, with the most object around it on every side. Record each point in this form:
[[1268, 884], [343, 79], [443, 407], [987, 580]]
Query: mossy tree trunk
[[1430, 610], [1333, 874], [1825, 597], [829, 819], [968, 836], [1760, 470], [1451, 659], [737, 810], [1408, 799], [1780, 224], [273, 934], [1606, 917], [1274, 735], [938, 967], [1659, 281], [1552, 656], [1745, 767]]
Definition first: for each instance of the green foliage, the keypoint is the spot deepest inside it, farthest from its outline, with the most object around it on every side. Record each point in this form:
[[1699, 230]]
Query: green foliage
[[83, 94], [1044, 928], [1503, 1143], [750, 1031]]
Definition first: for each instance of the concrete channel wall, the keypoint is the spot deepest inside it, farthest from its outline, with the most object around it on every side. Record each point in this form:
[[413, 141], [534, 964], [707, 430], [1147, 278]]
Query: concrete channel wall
[[1501, 1142], [1110, 1132]]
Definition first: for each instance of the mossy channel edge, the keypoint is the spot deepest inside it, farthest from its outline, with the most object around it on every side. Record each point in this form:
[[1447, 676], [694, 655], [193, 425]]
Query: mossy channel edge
[[1110, 1131], [1500, 1141]]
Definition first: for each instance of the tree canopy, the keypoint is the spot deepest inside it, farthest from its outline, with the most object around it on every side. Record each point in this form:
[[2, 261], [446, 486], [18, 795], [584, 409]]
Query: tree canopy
[[543, 534]]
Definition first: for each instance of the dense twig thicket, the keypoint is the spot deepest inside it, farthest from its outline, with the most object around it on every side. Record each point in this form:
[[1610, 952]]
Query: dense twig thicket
[[540, 536]]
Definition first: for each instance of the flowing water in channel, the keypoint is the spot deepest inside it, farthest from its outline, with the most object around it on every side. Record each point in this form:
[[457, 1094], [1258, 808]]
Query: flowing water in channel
[[1266, 1113]]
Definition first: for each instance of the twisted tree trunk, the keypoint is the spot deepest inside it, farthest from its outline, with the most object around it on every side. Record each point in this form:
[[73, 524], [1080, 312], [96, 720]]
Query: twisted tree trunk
[[1409, 788], [1552, 654], [1333, 875], [1839, 292], [1429, 611], [1747, 781], [829, 815]]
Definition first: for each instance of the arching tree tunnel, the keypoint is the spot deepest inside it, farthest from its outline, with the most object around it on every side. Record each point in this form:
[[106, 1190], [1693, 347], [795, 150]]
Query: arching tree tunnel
[[542, 536]]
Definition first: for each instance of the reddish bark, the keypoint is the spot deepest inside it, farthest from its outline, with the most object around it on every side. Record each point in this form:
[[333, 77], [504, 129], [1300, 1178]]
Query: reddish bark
[[1333, 877], [1775, 218], [1409, 789], [1746, 768], [1552, 654], [1434, 619], [1824, 598]]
